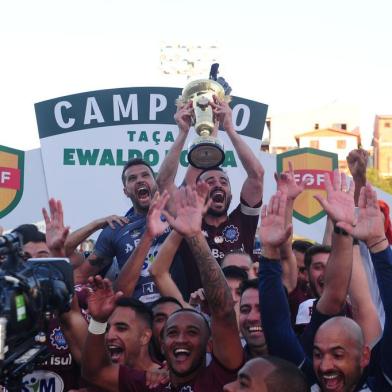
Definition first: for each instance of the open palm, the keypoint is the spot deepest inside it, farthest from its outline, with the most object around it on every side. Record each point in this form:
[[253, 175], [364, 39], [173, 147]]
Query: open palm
[[273, 231], [56, 232], [155, 225], [286, 183], [369, 226], [339, 204], [101, 299], [189, 206]]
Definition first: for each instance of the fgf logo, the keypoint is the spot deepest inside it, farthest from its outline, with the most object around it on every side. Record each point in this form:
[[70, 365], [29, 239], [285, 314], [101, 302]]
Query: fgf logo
[[309, 165], [11, 179]]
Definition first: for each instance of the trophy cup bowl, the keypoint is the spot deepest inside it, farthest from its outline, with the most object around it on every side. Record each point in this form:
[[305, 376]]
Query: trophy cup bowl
[[205, 151]]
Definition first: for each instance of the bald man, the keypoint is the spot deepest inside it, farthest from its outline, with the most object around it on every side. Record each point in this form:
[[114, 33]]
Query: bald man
[[268, 374], [340, 355], [341, 362]]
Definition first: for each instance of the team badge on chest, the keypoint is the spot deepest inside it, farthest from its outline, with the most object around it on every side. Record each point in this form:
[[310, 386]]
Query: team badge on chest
[[231, 233], [58, 340]]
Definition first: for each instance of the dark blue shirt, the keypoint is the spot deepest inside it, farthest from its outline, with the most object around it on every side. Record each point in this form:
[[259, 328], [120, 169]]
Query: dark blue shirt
[[121, 242]]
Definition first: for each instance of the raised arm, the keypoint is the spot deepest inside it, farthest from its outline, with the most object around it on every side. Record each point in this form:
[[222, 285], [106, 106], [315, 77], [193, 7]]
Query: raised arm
[[160, 269], [357, 162], [78, 236], [226, 342], [74, 326], [363, 308], [275, 312], [56, 232], [287, 185], [370, 229], [339, 206], [130, 273], [168, 170], [94, 263], [96, 363], [252, 189]]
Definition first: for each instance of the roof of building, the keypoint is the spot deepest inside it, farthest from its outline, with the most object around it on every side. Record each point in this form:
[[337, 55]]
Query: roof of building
[[326, 132]]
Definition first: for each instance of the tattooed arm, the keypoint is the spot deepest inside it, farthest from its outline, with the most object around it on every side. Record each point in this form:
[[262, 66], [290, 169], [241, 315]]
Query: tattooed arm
[[91, 267], [225, 337]]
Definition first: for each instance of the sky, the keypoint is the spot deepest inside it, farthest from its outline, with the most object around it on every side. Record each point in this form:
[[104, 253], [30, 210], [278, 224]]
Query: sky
[[289, 55]]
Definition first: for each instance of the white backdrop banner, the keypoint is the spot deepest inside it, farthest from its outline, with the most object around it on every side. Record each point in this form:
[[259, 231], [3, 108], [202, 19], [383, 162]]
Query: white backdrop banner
[[86, 139]]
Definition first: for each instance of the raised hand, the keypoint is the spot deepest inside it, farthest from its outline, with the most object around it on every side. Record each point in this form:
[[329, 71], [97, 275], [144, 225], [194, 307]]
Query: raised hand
[[101, 299], [190, 208], [286, 183], [111, 220], [155, 225], [198, 299], [357, 162], [339, 204], [56, 232], [202, 190], [183, 116], [273, 230], [369, 225], [223, 113]]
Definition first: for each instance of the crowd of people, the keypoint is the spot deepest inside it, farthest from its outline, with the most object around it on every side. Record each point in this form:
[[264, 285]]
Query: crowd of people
[[173, 297]]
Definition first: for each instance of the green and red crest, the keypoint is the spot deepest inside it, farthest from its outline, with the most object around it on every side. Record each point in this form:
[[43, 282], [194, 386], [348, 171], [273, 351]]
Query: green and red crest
[[309, 164], [11, 179]]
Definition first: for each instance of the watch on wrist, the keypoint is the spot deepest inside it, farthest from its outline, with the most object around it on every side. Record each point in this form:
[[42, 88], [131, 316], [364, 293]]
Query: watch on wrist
[[339, 230]]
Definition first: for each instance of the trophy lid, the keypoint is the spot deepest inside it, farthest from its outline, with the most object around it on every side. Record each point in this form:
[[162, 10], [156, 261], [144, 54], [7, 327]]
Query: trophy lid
[[199, 87]]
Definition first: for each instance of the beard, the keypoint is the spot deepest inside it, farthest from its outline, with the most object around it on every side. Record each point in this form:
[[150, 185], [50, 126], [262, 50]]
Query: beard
[[218, 214], [313, 289]]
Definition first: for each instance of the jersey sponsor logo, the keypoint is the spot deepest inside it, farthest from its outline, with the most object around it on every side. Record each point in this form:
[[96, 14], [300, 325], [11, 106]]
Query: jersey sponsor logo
[[310, 165], [128, 248], [42, 381], [58, 340], [217, 253], [231, 233], [148, 261], [149, 298], [11, 179], [59, 360], [136, 233]]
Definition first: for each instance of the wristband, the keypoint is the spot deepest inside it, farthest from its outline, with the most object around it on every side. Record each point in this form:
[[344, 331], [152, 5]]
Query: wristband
[[97, 328], [339, 230], [378, 242]]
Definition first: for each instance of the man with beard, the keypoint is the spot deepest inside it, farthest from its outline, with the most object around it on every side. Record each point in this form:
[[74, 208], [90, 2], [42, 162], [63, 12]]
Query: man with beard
[[139, 185], [186, 334], [250, 320], [315, 260], [340, 355], [301, 292], [224, 232]]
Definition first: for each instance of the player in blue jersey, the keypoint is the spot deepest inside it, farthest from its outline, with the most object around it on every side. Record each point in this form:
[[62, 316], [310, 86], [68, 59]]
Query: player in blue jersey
[[139, 186]]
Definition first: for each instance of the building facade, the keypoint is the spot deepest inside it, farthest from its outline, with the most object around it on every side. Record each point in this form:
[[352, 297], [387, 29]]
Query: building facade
[[337, 140], [382, 145]]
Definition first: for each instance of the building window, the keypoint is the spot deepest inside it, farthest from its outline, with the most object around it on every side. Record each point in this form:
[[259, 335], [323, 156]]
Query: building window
[[340, 144], [314, 143], [387, 125]]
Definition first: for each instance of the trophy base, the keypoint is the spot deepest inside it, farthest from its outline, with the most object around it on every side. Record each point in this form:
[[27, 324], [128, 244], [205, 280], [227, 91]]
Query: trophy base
[[206, 153]]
